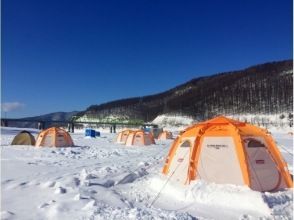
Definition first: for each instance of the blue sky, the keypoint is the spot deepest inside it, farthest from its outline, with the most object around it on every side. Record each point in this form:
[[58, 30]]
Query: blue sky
[[64, 55]]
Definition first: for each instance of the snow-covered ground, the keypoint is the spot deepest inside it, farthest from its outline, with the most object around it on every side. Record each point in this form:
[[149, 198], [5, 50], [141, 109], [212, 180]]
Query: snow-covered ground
[[99, 179]]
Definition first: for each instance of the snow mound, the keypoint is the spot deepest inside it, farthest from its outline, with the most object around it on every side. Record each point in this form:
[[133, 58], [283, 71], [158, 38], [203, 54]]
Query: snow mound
[[173, 121], [200, 197]]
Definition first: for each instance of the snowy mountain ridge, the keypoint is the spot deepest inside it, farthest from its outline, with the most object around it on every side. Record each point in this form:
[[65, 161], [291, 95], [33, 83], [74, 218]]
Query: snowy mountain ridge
[[254, 92]]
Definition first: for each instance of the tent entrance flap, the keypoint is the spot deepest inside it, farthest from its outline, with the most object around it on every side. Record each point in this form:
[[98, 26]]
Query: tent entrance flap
[[263, 173], [218, 156]]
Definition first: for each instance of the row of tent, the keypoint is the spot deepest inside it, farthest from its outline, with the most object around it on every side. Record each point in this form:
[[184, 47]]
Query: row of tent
[[140, 137], [58, 137], [220, 150], [51, 137], [223, 151]]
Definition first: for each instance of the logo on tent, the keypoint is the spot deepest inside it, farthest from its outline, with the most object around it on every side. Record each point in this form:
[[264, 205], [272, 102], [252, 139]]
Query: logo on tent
[[216, 146]]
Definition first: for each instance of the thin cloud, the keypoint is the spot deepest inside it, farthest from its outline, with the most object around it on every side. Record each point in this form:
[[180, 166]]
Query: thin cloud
[[11, 106]]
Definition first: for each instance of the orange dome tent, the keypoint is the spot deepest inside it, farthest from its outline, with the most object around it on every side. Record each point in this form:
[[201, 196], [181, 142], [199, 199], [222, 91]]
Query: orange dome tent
[[165, 135], [122, 136], [225, 151], [139, 138], [54, 137]]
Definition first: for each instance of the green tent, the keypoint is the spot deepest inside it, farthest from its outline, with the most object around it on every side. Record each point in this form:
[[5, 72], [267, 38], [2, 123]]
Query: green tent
[[24, 138]]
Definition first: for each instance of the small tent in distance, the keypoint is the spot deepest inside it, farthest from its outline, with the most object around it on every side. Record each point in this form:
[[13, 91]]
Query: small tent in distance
[[225, 151], [54, 137], [23, 138], [139, 138], [90, 133], [165, 135], [122, 136]]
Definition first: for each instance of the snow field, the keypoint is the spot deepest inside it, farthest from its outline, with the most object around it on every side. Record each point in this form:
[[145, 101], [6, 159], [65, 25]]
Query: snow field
[[98, 179]]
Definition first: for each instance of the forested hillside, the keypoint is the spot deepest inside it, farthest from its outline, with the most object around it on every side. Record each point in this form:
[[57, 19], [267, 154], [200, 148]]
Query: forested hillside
[[261, 89]]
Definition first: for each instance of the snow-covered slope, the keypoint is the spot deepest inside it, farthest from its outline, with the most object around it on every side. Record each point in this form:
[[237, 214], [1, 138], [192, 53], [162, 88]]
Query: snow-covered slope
[[98, 179], [173, 122], [271, 121]]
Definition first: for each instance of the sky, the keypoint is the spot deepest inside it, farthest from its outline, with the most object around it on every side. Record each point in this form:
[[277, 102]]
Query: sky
[[65, 55]]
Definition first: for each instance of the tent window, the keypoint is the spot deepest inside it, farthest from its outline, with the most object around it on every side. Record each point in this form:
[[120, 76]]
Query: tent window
[[138, 136], [186, 144], [255, 143]]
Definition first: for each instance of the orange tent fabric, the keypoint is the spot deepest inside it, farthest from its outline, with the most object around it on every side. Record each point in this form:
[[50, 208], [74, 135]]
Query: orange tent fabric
[[165, 135], [139, 138], [122, 136], [54, 137], [227, 151]]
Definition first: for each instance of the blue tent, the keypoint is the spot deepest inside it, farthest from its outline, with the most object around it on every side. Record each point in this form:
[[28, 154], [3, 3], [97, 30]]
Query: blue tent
[[90, 132]]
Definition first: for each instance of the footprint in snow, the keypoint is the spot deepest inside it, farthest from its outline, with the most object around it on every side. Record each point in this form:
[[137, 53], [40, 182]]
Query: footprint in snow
[[69, 182], [85, 175], [23, 183], [106, 184], [81, 196], [60, 190], [6, 215], [46, 204], [48, 184], [7, 181], [133, 176], [90, 205], [278, 199]]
